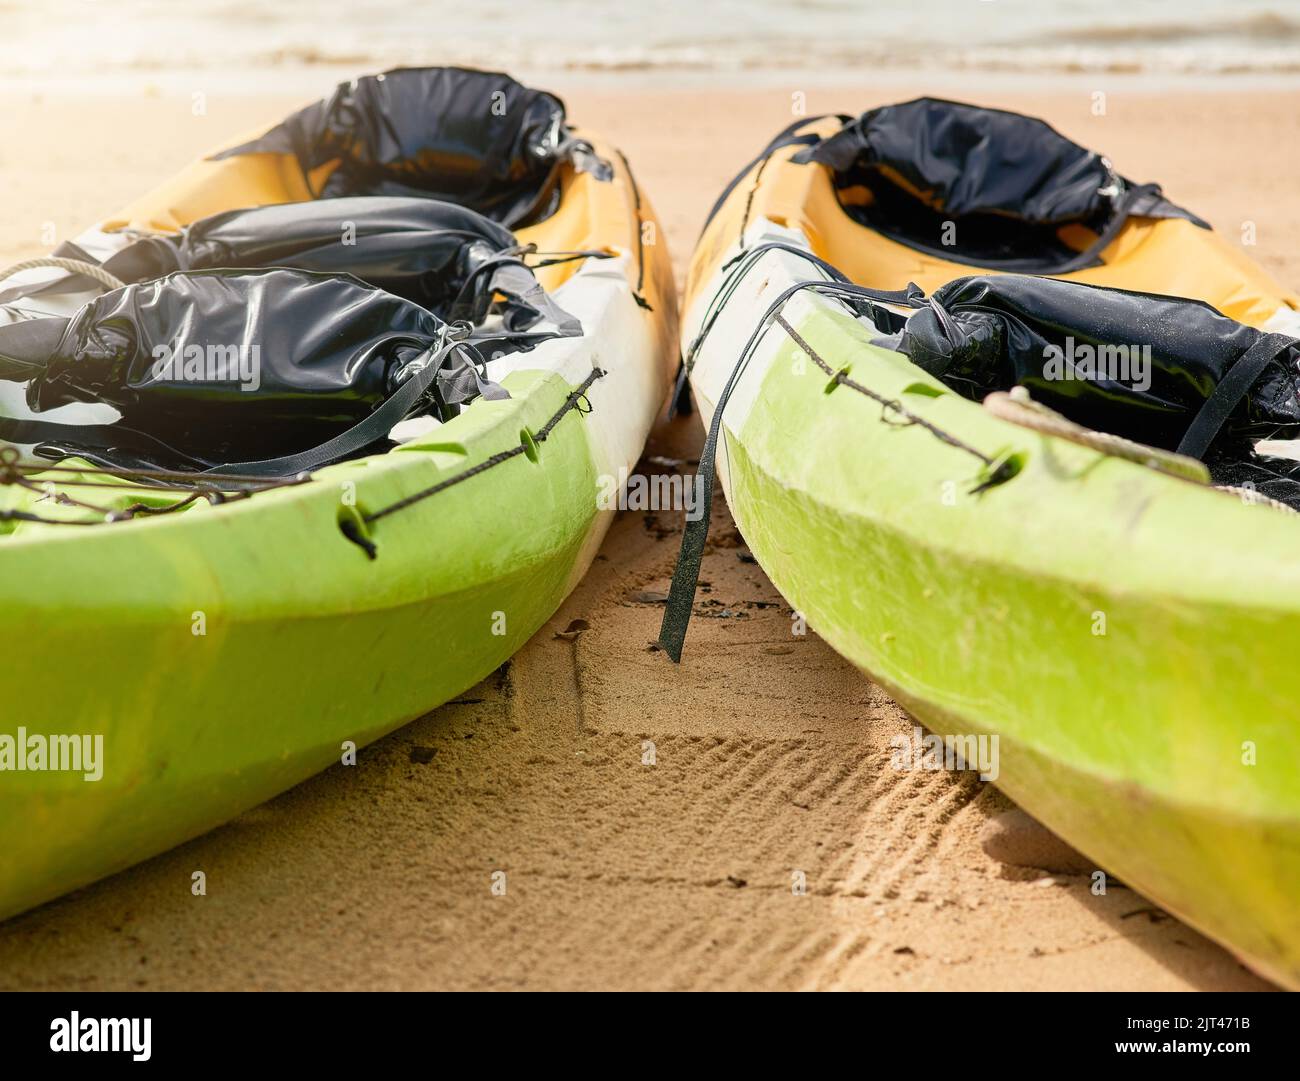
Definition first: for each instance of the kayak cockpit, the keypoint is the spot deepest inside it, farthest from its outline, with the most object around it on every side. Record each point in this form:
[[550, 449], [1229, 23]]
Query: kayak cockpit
[[1170, 374], [286, 302], [1149, 327], [982, 187]]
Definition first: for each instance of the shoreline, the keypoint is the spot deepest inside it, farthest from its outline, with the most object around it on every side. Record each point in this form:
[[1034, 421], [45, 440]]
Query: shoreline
[[315, 80]]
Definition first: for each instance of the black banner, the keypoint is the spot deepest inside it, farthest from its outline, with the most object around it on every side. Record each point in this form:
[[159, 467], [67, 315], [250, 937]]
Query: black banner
[[154, 1029]]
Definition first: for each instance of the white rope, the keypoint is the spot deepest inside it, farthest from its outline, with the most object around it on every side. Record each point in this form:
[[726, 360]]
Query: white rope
[[1019, 408], [1251, 497], [72, 266]]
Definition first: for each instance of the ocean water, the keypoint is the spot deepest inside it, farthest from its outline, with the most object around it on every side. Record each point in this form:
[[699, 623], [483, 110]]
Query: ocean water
[[49, 40]]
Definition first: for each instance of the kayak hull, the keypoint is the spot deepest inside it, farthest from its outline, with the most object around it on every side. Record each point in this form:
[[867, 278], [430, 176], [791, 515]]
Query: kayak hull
[[224, 653], [1137, 685], [267, 644]]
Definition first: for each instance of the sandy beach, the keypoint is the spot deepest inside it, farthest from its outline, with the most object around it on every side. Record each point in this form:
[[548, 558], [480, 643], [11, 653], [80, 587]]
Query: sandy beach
[[771, 753]]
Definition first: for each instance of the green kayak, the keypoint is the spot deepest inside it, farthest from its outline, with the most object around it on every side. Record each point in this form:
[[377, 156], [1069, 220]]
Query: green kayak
[[177, 659], [1123, 628]]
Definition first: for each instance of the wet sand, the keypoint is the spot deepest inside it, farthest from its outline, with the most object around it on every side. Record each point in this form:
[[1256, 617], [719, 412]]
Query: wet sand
[[771, 753]]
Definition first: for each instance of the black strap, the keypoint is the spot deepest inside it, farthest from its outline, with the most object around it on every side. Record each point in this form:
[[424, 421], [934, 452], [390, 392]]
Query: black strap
[[73, 438], [1231, 390], [681, 593], [679, 404], [786, 137], [741, 264], [517, 283], [369, 430], [686, 575], [1126, 206], [583, 157], [555, 258], [507, 273], [360, 435], [681, 397]]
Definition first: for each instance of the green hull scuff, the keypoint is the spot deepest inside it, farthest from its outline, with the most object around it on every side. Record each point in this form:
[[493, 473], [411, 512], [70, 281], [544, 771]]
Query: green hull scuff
[[1129, 637], [306, 642]]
